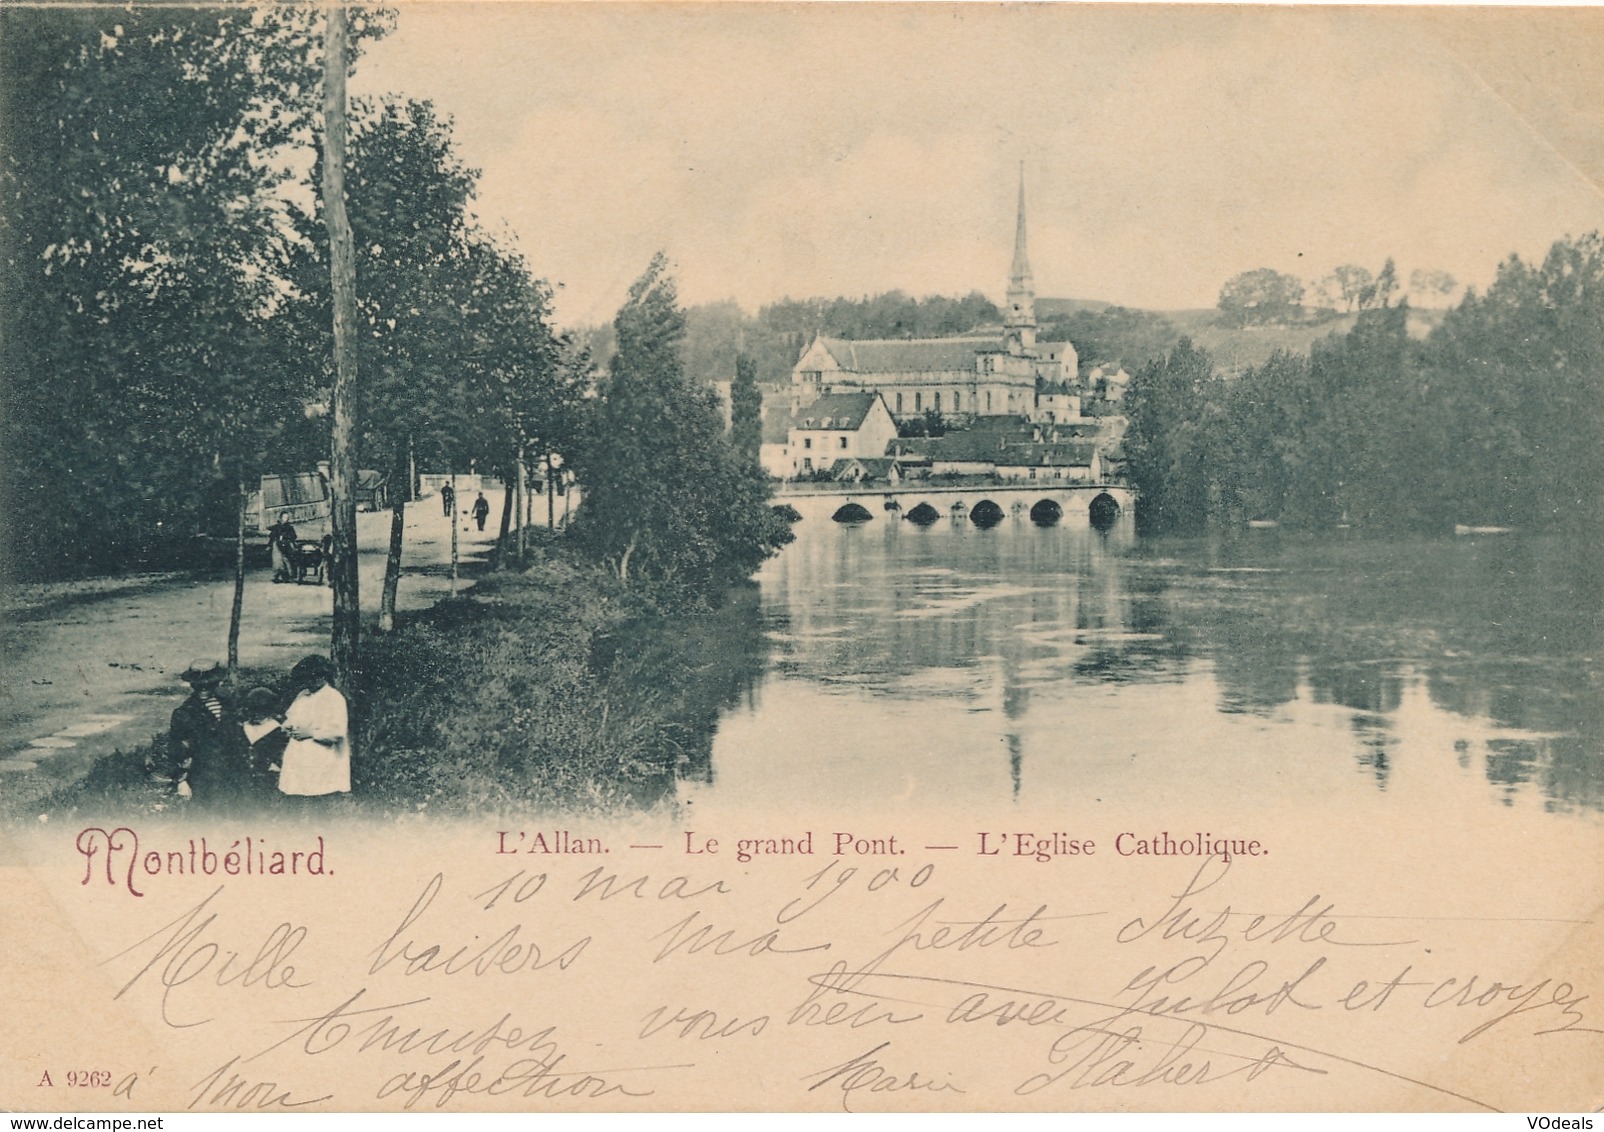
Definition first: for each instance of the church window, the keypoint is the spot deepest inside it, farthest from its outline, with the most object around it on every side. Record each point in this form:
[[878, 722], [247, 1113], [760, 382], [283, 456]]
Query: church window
[[988, 400], [899, 402], [918, 402], [938, 400]]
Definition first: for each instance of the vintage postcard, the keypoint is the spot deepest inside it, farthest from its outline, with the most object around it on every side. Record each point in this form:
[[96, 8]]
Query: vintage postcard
[[728, 557]]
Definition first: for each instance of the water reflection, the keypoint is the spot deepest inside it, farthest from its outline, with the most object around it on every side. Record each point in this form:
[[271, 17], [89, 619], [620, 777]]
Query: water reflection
[[1093, 661]]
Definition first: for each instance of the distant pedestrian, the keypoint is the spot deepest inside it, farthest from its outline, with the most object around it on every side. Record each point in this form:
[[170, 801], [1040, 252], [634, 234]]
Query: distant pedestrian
[[481, 510], [317, 758], [448, 499], [198, 736], [281, 540], [265, 741]]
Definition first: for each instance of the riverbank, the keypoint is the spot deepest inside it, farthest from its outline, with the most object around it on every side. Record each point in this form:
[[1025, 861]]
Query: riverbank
[[550, 688]]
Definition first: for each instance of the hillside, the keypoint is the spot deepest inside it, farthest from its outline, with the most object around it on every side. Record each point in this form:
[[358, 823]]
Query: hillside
[[1236, 349], [1233, 349]]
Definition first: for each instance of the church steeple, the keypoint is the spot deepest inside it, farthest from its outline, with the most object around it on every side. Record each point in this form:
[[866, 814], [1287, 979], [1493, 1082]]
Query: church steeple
[[1020, 317]]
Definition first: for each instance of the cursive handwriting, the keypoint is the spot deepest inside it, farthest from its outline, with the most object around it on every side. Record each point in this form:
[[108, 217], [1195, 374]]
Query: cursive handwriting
[[864, 1073], [504, 955], [189, 955], [240, 1093], [1307, 925]]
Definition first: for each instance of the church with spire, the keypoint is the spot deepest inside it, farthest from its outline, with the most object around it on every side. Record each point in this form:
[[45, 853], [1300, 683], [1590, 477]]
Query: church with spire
[[978, 375]]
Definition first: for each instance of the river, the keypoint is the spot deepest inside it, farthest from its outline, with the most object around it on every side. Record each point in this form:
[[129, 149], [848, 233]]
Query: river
[[1070, 667]]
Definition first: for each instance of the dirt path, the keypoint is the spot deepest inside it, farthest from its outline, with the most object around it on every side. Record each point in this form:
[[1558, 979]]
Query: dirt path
[[93, 666]]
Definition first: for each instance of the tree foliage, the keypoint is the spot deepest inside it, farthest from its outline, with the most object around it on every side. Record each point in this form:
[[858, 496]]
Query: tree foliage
[[666, 497], [1496, 419], [1262, 297], [1167, 446], [146, 222], [1113, 336], [891, 314], [1349, 281], [746, 409]]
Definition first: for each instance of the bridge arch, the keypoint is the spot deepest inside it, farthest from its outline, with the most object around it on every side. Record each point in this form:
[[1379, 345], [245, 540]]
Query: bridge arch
[[852, 513], [1046, 513], [1103, 510], [986, 514], [922, 515]]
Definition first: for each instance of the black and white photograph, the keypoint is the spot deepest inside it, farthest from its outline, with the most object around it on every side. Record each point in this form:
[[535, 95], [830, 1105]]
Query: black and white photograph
[[869, 557]]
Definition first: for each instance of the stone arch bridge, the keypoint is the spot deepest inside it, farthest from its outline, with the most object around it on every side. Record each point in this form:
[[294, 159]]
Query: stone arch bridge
[[984, 504]]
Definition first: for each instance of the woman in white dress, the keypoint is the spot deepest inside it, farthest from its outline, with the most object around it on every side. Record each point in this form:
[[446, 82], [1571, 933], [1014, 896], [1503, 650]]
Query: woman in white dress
[[317, 759]]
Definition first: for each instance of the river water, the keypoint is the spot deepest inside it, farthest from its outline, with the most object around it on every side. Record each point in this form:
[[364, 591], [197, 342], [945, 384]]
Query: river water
[[1062, 667]]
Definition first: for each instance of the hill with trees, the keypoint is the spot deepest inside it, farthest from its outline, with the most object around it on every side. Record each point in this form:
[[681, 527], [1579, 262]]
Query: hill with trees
[[1493, 418]]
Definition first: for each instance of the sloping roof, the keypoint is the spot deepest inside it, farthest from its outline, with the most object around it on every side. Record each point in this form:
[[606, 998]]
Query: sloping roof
[[986, 447], [913, 355], [875, 467], [1064, 454], [964, 447], [841, 412], [293, 489]]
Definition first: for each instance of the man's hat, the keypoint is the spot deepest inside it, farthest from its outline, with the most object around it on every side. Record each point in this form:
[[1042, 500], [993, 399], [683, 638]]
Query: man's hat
[[202, 669]]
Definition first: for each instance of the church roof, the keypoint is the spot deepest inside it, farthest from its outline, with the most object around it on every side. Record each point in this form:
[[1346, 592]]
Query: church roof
[[835, 411], [911, 355]]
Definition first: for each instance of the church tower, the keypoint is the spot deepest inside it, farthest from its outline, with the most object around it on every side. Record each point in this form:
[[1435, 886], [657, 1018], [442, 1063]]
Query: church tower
[[1019, 319]]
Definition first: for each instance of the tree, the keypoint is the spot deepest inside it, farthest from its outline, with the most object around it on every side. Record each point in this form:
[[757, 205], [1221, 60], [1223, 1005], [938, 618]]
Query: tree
[[1430, 286], [746, 409], [1260, 297], [342, 270], [141, 237], [1114, 336], [666, 496], [1166, 442], [1349, 281], [1378, 292]]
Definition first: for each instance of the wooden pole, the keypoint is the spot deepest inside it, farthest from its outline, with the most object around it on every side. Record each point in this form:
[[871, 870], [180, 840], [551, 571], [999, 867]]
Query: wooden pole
[[342, 277], [551, 496], [523, 503], [236, 613]]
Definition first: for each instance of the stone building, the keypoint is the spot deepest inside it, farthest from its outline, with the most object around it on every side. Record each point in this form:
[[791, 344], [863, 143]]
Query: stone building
[[976, 376]]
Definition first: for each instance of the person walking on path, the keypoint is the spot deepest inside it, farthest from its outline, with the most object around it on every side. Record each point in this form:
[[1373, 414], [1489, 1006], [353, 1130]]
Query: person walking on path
[[448, 499], [199, 734], [481, 510], [317, 758], [281, 539]]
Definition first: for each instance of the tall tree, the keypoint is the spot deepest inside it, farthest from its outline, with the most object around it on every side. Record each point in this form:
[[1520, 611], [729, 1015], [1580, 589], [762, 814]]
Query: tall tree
[[342, 272], [746, 409], [1350, 282], [143, 227], [1166, 444], [666, 496]]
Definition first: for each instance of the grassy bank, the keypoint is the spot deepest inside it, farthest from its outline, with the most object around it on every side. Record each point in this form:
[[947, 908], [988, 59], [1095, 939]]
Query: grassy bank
[[548, 688]]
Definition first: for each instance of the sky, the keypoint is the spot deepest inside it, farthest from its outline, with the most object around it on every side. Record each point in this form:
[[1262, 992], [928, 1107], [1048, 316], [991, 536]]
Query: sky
[[778, 150]]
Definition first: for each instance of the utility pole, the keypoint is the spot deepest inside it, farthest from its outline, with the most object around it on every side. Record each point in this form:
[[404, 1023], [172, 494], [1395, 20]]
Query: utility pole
[[453, 532], [551, 496], [342, 278]]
